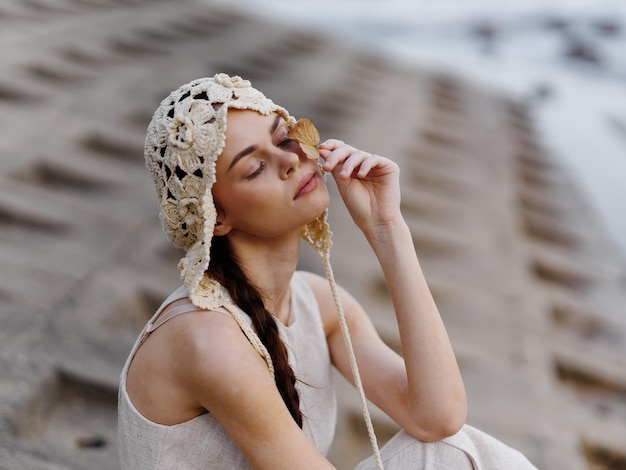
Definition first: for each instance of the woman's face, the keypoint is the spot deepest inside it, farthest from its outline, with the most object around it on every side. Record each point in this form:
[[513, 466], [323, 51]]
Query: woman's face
[[265, 185]]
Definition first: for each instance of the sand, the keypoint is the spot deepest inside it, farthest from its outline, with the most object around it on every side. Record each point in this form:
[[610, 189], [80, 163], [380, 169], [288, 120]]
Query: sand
[[531, 291]]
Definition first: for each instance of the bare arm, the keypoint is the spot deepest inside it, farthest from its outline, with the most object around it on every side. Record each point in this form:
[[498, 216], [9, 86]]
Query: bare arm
[[425, 392]]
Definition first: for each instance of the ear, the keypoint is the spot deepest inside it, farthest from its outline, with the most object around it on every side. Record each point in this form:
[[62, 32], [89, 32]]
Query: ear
[[221, 229]]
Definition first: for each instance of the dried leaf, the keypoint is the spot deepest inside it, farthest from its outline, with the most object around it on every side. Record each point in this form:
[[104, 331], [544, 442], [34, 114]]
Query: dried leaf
[[305, 133]]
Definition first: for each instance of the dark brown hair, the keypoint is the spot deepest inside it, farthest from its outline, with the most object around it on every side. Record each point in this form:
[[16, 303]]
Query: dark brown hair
[[226, 271]]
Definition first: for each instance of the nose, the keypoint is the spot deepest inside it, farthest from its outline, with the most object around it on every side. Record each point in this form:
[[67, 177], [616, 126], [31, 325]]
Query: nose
[[288, 162]]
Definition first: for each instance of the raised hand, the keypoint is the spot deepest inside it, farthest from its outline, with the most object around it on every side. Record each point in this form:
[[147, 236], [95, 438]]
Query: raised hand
[[368, 184]]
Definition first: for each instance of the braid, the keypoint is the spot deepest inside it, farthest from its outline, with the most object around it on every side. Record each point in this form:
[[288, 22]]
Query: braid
[[227, 272]]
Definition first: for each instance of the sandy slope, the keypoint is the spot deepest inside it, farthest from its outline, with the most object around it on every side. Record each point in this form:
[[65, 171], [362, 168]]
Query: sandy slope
[[528, 288]]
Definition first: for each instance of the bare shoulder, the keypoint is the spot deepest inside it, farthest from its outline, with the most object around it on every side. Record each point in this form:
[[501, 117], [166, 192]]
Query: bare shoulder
[[213, 350], [219, 367], [185, 362]]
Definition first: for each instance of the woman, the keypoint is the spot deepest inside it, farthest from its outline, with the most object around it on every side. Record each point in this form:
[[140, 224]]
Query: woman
[[234, 370]]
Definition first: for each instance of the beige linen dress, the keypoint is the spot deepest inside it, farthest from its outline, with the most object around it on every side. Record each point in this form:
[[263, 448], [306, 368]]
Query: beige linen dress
[[202, 443]]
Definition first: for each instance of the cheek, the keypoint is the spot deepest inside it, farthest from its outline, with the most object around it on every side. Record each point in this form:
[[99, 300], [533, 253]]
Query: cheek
[[245, 203], [240, 202]]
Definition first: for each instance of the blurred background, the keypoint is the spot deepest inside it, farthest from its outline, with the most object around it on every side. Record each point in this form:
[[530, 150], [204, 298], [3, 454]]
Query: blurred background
[[508, 120], [568, 57]]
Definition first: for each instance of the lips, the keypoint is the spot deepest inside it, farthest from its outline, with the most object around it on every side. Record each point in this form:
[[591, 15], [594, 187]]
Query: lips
[[307, 184]]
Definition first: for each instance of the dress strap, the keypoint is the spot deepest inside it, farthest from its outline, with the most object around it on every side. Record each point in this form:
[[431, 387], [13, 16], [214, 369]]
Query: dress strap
[[171, 312]]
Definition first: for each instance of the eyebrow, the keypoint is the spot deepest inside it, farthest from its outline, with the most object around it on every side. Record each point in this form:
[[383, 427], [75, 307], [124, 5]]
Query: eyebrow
[[248, 150]]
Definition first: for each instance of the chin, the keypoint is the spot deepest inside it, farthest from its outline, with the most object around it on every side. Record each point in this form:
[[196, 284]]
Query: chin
[[319, 213]]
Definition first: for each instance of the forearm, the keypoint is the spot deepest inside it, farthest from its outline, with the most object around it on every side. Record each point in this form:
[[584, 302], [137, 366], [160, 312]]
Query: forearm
[[434, 387], [431, 388]]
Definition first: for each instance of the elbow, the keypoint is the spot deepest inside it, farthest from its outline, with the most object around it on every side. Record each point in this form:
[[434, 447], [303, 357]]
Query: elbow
[[440, 425], [451, 424]]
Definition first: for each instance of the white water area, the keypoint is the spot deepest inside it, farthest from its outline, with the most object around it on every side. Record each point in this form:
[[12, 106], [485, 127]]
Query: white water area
[[567, 56]]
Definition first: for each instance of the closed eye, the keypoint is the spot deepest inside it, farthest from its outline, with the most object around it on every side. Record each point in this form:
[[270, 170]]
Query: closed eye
[[289, 145], [256, 172]]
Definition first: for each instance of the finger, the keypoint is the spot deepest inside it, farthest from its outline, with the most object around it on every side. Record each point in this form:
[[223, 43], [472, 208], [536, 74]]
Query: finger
[[326, 148], [366, 166], [356, 164], [331, 144], [337, 156]]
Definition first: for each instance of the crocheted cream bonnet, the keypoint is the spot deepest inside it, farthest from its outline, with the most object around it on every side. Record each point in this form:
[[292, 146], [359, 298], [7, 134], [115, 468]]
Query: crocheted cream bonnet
[[184, 139]]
